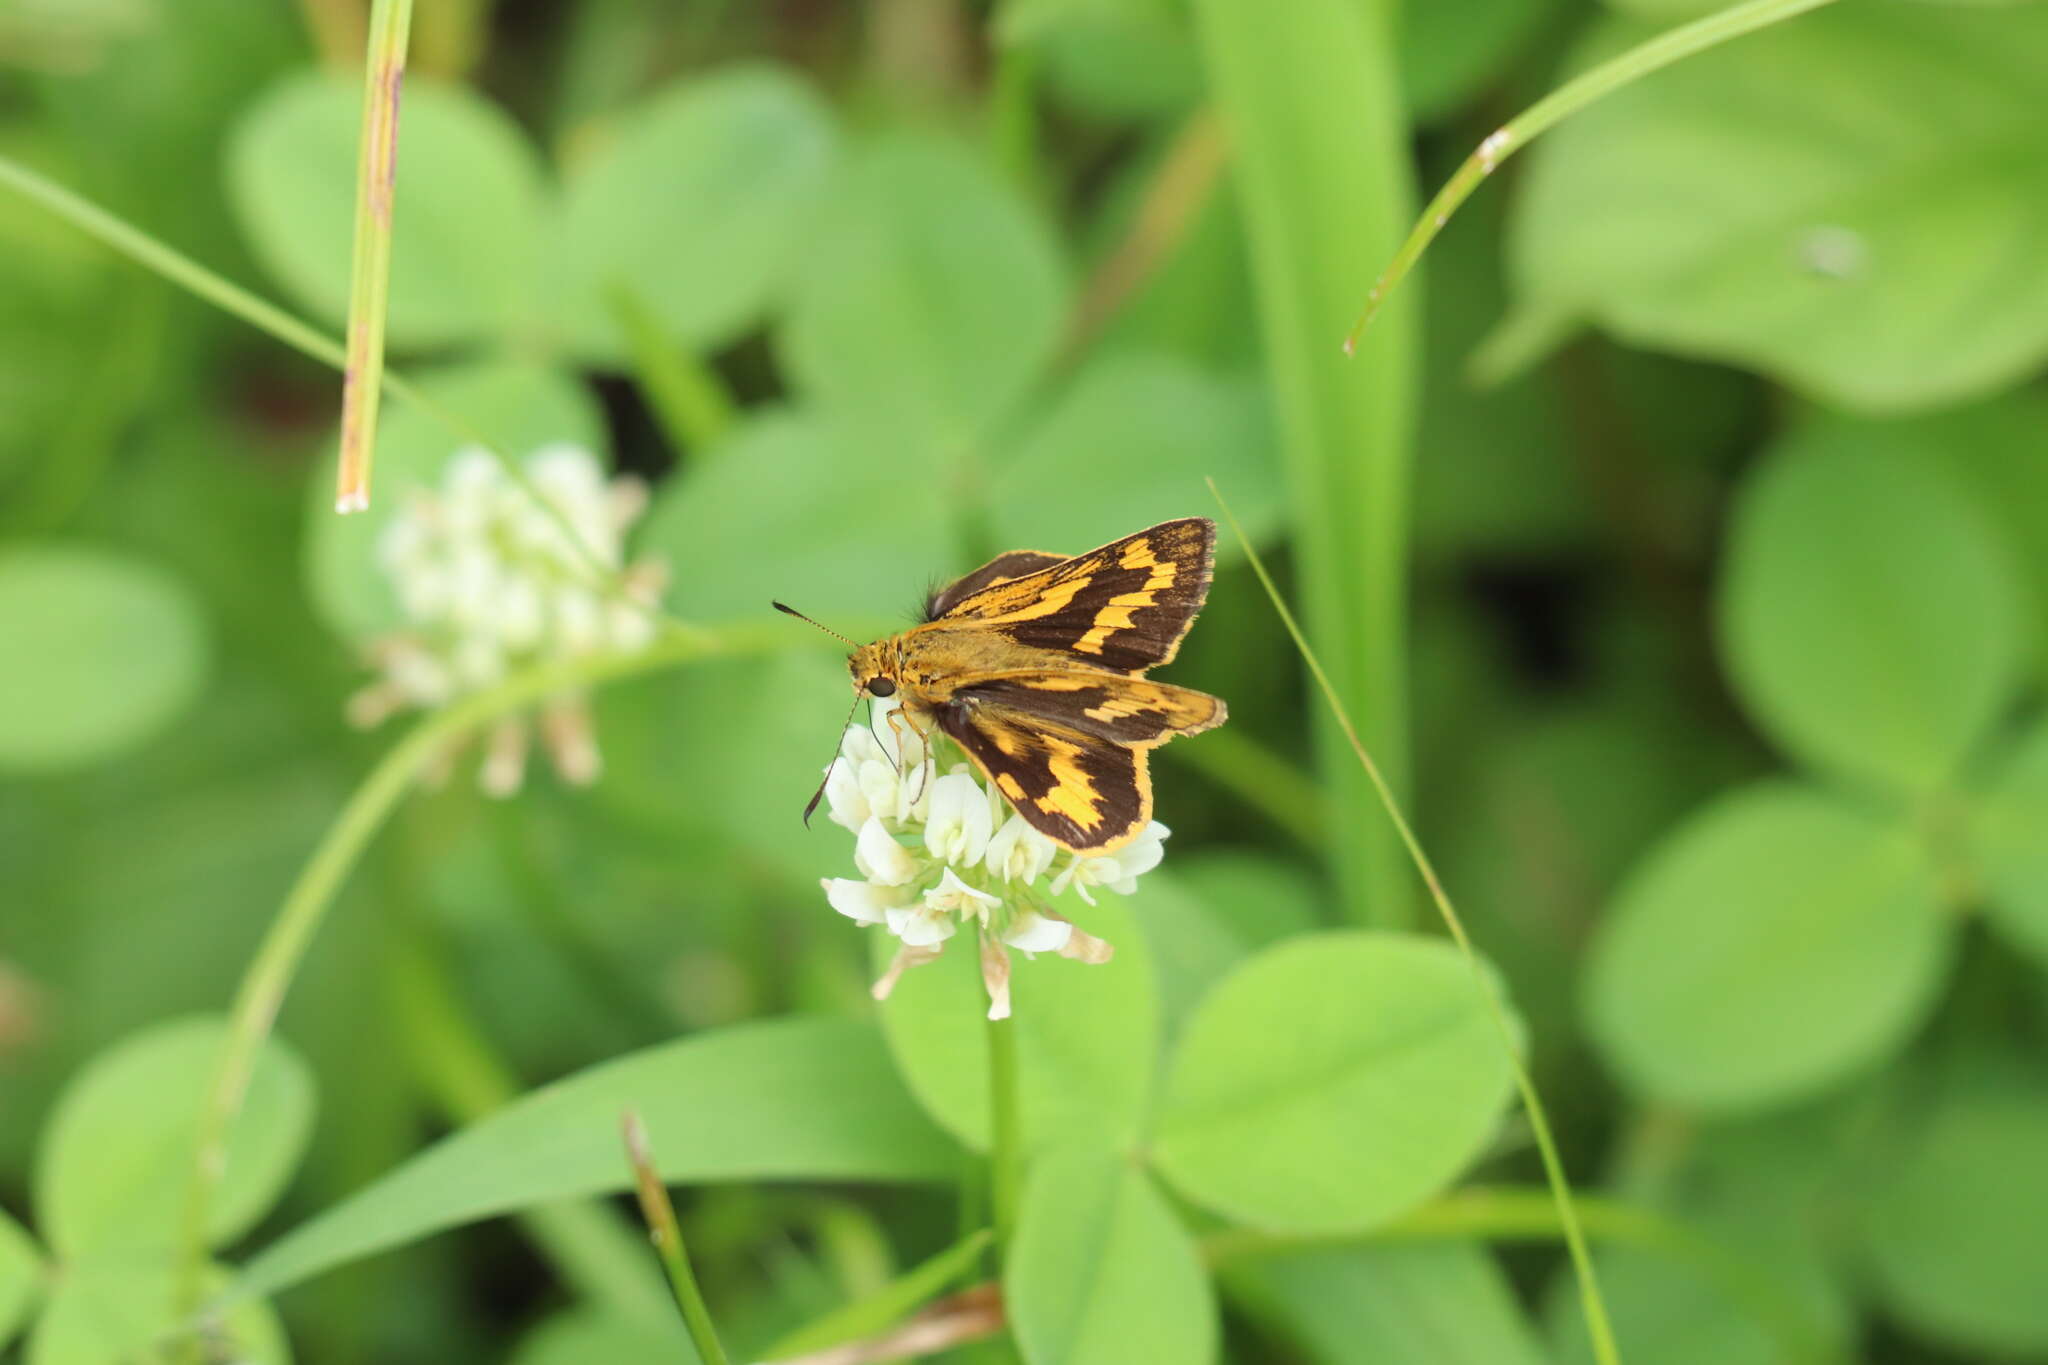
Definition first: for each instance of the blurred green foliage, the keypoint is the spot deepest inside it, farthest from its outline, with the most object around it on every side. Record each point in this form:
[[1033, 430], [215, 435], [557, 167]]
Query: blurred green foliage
[[1712, 626]]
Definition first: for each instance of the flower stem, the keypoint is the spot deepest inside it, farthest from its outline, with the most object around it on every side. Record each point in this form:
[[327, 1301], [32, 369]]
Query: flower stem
[[284, 945], [1597, 1324], [689, 400], [1552, 109], [1005, 1148], [668, 1243]]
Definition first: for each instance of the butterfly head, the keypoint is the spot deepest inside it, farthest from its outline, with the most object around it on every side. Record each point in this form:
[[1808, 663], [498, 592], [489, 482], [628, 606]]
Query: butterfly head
[[874, 670]]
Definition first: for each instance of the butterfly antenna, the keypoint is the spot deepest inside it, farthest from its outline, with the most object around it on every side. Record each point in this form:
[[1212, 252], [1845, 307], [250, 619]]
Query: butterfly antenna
[[819, 794], [788, 610]]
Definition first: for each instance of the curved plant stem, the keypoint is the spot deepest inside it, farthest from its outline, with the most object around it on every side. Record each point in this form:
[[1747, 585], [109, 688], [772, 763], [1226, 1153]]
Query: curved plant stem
[[277, 959], [302, 337], [1509, 1214], [1602, 1332], [362, 378], [1553, 108]]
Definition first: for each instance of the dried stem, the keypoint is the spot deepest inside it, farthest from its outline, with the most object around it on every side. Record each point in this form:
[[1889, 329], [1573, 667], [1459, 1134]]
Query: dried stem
[[370, 282]]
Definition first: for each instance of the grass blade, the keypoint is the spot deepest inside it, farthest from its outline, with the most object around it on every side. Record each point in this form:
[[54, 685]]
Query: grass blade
[[1311, 111], [1553, 108]]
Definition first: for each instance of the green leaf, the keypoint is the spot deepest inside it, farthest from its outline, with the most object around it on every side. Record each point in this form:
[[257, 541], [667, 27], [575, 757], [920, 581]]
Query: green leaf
[[1333, 1082], [751, 709], [795, 506], [1869, 616], [1449, 53], [2009, 839], [1772, 945], [1993, 451], [888, 1305], [517, 407], [21, 1277], [931, 300], [1390, 1305], [1087, 1034], [103, 652], [789, 1099], [586, 1336], [109, 1309], [1117, 62], [699, 202], [114, 1166], [1100, 1271], [1956, 1228], [1760, 1281], [1139, 431], [1840, 201], [465, 250]]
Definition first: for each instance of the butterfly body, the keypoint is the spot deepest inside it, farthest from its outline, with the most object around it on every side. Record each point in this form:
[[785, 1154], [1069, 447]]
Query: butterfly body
[[1034, 664]]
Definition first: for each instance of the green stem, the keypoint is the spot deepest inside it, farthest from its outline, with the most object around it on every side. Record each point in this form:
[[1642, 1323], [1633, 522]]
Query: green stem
[[1262, 779], [689, 400], [1509, 1214], [1013, 115], [173, 265], [668, 1243], [1602, 1332], [277, 959], [370, 272], [1553, 108], [1005, 1146]]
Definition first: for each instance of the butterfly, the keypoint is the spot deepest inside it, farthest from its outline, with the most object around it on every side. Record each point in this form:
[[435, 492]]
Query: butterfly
[[1034, 664]]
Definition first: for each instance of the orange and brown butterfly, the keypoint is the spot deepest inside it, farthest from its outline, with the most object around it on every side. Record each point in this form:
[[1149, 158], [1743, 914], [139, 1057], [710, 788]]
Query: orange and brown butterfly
[[1034, 664]]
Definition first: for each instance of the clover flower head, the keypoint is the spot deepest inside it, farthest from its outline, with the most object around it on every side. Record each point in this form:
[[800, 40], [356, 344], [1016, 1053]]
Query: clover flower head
[[939, 850], [492, 577]]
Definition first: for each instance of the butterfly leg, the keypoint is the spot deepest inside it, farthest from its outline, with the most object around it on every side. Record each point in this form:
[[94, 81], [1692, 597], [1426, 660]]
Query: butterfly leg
[[924, 746]]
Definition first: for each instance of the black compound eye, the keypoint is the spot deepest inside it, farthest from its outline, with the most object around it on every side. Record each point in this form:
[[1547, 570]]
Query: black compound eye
[[881, 687]]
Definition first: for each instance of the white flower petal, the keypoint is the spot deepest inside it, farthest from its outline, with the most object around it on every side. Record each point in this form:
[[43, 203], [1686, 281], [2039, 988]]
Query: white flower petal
[[880, 858], [1019, 853], [919, 927], [863, 902], [957, 828], [1031, 932]]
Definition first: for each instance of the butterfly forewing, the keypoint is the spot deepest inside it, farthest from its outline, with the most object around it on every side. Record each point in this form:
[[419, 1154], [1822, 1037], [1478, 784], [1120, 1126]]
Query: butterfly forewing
[[1123, 607], [1032, 662]]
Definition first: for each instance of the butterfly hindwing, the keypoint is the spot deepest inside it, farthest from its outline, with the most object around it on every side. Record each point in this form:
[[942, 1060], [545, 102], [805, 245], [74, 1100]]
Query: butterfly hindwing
[[1072, 787], [1123, 607], [1109, 706]]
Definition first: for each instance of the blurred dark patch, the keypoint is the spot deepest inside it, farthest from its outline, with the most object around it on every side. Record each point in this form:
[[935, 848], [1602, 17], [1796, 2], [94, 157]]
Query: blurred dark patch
[[1539, 611]]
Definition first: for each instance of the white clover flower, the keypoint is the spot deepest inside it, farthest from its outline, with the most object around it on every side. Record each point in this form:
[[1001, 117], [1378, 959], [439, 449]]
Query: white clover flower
[[1019, 853], [489, 583], [1118, 871], [939, 852], [957, 828]]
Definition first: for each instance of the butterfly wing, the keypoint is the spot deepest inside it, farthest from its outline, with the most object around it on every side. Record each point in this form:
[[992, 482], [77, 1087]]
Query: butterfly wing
[[1108, 706], [1002, 568], [1123, 607], [1076, 789]]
